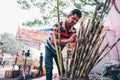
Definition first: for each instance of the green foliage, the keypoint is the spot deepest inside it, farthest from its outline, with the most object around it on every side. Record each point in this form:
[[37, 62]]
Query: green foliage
[[48, 9], [10, 44], [62, 3], [32, 23], [25, 4], [77, 5]]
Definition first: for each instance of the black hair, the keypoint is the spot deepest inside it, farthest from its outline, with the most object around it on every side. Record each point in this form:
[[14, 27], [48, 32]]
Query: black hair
[[76, 11]]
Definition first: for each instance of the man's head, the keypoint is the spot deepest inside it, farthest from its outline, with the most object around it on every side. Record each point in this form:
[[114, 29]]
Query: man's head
[[28, 50], [74, 17], [41, 53], [77, 12], [23, 51]]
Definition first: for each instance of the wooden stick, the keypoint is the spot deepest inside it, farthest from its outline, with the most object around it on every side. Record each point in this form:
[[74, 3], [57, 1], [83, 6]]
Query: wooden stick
[[67, 60], [59, 55], [88, 45], [76, 57], [110, 48]]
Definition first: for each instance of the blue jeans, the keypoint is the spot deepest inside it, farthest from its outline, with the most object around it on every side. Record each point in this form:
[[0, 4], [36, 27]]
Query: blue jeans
[[49, 55]]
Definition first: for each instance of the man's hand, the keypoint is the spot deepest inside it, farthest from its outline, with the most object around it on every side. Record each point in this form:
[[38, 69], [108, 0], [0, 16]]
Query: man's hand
[[72, 38]]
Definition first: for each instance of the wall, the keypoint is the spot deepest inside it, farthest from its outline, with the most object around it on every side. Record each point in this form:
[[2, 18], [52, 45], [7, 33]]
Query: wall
[[113, 22]]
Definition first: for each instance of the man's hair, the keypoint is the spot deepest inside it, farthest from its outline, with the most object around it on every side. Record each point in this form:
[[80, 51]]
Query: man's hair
[[75, 11]]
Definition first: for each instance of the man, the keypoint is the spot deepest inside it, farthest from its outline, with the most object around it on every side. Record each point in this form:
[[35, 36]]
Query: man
[[23, 54], [67, 36], [27, 54], [40, 72], [2, 61]]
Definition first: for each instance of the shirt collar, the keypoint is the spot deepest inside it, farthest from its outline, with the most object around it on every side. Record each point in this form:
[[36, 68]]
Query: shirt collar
[[63, 25]]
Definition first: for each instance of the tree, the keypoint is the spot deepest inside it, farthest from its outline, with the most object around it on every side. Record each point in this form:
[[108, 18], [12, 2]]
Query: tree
[[48, 9], [10, 44]]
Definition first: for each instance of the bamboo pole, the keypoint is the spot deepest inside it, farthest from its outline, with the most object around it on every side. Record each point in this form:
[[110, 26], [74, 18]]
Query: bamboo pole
[[89, 53], [87, 50], [96, 58], [73, 64], [58, 50], [91, 56], [109, 49], [67, 59]]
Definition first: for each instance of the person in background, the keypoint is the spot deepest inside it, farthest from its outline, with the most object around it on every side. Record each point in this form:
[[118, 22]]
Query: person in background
[[2, 61], [40, 71], [17, 54], [67, 34], [23, 54], [27, 54]]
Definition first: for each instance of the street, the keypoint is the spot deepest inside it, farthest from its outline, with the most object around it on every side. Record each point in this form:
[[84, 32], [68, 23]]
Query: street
[[2, 74]]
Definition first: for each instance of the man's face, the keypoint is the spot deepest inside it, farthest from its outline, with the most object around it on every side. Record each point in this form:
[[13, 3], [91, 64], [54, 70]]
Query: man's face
[[72, 20]]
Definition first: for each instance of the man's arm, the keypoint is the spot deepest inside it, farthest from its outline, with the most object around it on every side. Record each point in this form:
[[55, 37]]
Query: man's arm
[[63, 41]]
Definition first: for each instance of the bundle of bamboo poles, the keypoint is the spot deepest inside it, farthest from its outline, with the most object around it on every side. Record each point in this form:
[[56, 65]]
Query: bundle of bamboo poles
[[88, 50]]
